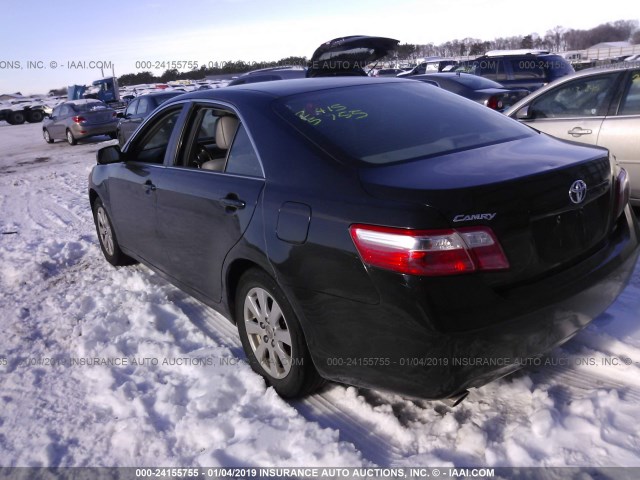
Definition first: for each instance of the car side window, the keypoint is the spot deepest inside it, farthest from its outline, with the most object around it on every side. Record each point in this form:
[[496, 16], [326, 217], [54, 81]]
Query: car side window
[[492, 68], [131, 109], [143, 106], [584, 97], [56, 112], [631, 101], [153, 143], [527, 69], [207, 143], [242, 159], [65, 111]]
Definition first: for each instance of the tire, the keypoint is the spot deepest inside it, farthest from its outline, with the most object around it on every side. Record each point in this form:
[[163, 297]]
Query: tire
[[35, 116], [16, 118], [47, 136], [71, 139], [107, 236], [272, 337]]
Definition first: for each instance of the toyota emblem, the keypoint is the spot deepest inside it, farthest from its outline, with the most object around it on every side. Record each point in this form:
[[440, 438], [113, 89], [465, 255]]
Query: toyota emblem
[[578, 191]]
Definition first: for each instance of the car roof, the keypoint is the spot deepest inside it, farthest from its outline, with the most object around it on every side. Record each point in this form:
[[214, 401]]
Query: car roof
[[157, 94], [283, 88], [444, 75], [82, 101]]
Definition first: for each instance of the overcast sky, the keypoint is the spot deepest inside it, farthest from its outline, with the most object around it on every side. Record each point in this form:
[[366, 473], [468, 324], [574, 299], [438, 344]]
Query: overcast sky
[[122, 32]]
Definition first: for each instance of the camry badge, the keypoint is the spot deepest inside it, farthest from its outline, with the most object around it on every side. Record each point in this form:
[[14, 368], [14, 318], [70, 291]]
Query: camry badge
[[578, 191], [476, 216]]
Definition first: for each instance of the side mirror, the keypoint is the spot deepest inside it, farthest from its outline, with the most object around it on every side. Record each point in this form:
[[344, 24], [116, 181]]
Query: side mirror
[[523, 113], [110, 154]]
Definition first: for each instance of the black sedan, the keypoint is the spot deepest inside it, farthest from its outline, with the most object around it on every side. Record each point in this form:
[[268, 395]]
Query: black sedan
[[376, 232], [479, 89], [138, 109]]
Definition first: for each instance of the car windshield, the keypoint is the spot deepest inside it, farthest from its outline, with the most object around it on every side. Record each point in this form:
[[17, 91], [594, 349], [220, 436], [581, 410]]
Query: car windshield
[[89, 106], [395, 122]]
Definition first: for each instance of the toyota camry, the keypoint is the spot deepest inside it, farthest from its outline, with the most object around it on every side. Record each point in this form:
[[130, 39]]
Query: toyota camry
[[377, 232]]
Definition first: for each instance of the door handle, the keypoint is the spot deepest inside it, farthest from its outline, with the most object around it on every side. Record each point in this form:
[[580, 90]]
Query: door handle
[[577, 131], [148, 186], [231, 203]]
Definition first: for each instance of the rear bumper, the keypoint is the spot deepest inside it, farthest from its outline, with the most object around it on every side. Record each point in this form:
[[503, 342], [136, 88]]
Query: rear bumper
[[83, 131], [399, 345]]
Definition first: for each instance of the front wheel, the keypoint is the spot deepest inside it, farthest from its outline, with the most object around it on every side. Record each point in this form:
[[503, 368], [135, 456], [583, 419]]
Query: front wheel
[[16, 118], [107, 236], [47, 136], [272, 337]]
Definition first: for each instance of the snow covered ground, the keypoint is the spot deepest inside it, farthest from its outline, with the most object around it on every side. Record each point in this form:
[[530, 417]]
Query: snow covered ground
[[181, 394]]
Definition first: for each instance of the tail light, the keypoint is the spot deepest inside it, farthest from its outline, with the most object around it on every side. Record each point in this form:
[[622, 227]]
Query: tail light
[[621, 191], [429, 252], [494, 102], [78, 119], [114, 115]]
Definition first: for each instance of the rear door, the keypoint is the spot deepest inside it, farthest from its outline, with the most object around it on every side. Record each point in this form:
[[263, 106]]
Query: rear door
[[576, 109], [203, 213], [620, 132]]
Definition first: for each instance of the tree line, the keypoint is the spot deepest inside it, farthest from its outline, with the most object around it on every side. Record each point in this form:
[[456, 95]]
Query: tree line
[[557, 39]]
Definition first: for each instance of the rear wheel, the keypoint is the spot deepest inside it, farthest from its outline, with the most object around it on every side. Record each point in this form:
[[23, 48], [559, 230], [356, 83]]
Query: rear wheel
[[71, 139], [47, 136], [272, 337], [35, 116], [107, 236]]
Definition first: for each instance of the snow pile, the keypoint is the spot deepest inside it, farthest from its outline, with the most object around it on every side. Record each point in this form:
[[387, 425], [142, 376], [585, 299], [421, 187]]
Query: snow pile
[[104, 366]]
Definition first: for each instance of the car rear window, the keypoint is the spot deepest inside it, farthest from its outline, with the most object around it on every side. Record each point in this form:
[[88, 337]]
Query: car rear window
[[89, 106], [556, 66], [395, 122]]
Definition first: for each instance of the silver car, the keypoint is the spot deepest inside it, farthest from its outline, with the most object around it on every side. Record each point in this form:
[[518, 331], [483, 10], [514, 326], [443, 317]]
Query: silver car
[[598, 106], [77, 119]]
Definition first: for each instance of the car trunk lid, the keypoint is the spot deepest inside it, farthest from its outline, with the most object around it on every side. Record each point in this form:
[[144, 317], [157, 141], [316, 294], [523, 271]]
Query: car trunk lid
[[521, 190], [348, 55]]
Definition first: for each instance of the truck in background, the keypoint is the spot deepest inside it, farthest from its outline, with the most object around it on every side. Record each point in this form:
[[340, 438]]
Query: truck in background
[[23, 109], [105, 89]]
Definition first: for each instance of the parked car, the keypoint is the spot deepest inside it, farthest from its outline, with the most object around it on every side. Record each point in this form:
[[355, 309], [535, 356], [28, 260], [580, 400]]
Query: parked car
[[78, 119], [268, 74], [138, 109], [479, 89], [599, 106], [529, 69], [424, 255], [430, 65], [386, 72], [338, 57]]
